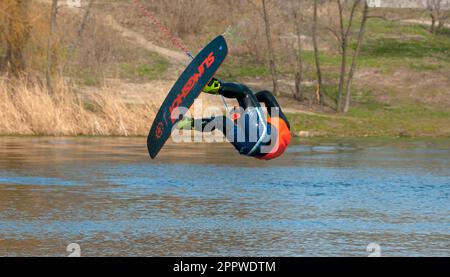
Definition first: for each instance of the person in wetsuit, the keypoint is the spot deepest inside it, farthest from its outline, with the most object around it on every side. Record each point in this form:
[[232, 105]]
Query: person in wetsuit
[[247, 129]]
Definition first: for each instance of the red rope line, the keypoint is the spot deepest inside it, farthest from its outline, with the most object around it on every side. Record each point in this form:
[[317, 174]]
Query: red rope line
[[168, 34], [175, 41]]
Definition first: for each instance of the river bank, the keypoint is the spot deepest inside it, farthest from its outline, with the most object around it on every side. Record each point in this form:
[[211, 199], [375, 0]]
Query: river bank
[[28, 109]]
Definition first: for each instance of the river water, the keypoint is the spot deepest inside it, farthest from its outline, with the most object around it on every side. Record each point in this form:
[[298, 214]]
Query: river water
[[323, 198]]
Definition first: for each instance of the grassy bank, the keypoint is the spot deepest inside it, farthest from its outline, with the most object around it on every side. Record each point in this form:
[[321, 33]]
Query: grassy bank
[[404, 121], [28, 109]]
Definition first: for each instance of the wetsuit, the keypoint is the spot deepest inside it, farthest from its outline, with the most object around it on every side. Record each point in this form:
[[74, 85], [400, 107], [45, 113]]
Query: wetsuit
[[248, 129]]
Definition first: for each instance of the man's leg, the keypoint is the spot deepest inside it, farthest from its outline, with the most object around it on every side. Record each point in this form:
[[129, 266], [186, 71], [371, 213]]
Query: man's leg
[[271, 102], [241, 93], [268, 99], [221, 123]]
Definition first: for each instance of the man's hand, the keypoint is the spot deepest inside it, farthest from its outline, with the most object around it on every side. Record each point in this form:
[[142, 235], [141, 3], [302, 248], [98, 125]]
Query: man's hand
[[212, 87], [185, 124]]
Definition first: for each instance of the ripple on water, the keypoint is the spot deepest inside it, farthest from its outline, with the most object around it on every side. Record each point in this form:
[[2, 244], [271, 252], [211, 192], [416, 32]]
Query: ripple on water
[[326, 199]]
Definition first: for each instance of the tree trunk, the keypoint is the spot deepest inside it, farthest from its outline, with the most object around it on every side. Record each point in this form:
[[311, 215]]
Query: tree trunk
[[362, 30], [316, 55], [17, 37], [298, 94], [271, 50], [80, 33], [433, 23], [342, 76], [85, 19], [343, 58], [299, 60], [344, 39], [8, 51], [50, 53], [441, 23]]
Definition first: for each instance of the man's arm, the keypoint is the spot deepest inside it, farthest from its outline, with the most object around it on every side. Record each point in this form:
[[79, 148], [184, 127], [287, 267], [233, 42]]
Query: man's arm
[[228, 90]]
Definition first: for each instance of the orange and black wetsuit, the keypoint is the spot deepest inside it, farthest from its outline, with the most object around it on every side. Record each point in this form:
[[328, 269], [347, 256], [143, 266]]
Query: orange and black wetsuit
[[248, 129]]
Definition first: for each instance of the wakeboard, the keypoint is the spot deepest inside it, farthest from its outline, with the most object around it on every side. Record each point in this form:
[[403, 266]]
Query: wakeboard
[[184, 92]]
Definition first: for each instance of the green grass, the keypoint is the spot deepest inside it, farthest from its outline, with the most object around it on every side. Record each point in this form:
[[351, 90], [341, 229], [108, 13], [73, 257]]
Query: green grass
[[90, 81], [385, 62], [141, 71], [126, 62], [245, 66], [326, 59], [382, 28], [386, 121], [387, 47], [237, 67], [409, 48], [231, 73], [150, 66], [392, 45]]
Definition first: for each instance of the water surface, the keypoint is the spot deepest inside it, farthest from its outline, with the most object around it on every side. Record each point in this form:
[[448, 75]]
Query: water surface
[[322, 198]]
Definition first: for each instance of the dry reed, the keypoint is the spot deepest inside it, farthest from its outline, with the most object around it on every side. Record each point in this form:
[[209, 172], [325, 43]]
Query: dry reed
[[28, 109]]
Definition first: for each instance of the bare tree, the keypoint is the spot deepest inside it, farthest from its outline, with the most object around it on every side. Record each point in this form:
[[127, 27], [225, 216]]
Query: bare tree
[[343, 37], [84, 22], [359, 41], [273, 68], [299, 65], [316, 54], [50, 51], [438, 15]]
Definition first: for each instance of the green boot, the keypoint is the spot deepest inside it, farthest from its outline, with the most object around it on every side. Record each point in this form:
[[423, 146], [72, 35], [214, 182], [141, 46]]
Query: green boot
[[185, 124], [212, 87]]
